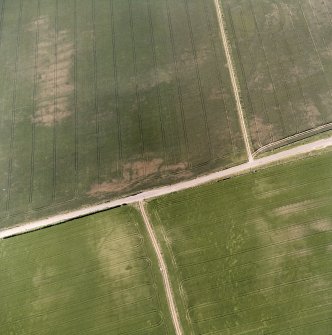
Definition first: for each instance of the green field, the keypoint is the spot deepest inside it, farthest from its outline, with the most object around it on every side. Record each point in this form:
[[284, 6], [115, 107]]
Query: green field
[[95, 275], [252, 254], [100, 98], [282, 50], [105, 98]]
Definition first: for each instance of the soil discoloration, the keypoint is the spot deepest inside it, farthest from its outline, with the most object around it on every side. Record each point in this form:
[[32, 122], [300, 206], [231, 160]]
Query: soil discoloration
[[43, 274], [292, 233], [302, 253], [326, 101], [140, 169], [313, 116], [265, 188], [165, 74], [273, 17], [137, 172], [151, 79], [321, 225], [217, 94], [264, 130], [294, 208], [54, 84], [44, 297]]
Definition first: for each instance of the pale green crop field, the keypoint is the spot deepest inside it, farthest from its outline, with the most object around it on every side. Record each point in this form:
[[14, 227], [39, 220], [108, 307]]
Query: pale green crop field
[[103, 98], [252, 254], [282, 50], [94, 275]]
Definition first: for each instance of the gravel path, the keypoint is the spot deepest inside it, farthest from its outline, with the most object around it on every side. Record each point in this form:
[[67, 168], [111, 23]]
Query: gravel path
[[232, 74], [163, 270], [157, 192]]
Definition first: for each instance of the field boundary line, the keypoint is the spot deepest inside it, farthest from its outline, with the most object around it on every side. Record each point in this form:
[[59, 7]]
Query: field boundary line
[[163, 270], [305, 133], [233, 76], [164, 190]]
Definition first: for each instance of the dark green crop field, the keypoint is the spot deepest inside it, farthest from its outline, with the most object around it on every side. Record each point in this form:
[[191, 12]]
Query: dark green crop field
[[282, 50], [100, 98], [95, 275], [253, 254]]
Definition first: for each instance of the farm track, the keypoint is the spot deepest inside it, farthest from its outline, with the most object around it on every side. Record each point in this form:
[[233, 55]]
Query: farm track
[[250, 165], [161, 191], [163, 270], [233, 76]]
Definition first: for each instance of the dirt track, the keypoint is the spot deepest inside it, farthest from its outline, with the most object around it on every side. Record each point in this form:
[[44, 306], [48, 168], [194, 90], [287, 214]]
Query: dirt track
[[232, 74], [163, 269], [157, 192]]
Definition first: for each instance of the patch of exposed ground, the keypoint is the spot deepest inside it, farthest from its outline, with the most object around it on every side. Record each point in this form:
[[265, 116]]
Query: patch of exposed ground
[[290, 233], [295, 208], [165, 74], [138, 172], [326, 101], [312, 68], [301, 253], [43, 274], [273, 16], [139, 169], [327, 52], [217, 94], [264, 130], [313, 116], [117, 250], [265, 189], [187, 61], [54, 83], [320, 283], [150, 79], [321, 225], [285, 17], [45, 298], [293, 74], [260, 82]]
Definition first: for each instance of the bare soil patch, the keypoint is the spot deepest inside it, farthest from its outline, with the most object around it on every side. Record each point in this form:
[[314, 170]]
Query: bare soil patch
[[54, 83], [137, 172], [295, 208]]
